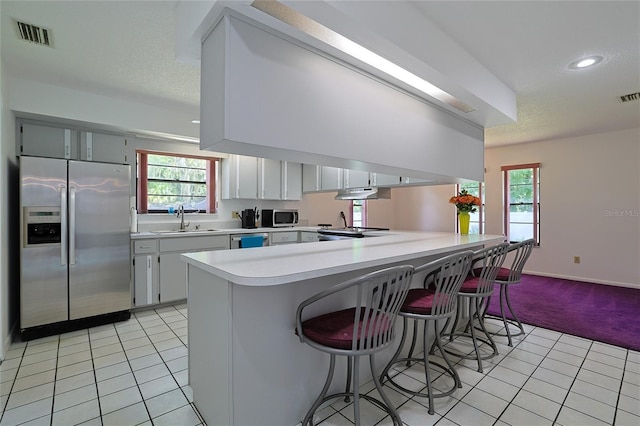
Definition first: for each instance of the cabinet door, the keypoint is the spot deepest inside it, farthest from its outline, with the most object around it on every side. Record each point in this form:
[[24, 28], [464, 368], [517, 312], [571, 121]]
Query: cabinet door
[[379, 179], [269, 179], [45, 141], [291, 181], [356, 179], [173, 277], [308, 236], [103, 147], [331, 178], [311, 178], [412, 181], [240, 177], [145, 280]]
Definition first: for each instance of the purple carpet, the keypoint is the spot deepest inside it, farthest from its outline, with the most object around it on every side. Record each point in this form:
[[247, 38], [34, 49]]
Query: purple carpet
[[599, 312]]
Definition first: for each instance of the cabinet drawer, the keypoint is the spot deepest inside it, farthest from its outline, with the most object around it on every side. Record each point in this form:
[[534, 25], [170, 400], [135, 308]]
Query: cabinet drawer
[[205, 242], [145, 246], [284, 237], [307, 237]]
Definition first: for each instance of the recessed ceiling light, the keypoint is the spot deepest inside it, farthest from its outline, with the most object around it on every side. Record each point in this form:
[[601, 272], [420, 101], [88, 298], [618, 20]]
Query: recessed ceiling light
[[195, 121], [586, 62]]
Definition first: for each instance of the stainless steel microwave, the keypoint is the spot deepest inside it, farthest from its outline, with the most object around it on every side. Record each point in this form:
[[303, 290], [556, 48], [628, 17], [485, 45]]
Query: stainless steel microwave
[[276, 218]]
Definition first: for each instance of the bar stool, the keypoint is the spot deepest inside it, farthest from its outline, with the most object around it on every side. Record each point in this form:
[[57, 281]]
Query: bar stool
[[476, 289], [436, 301], [365, 329], [509, 276]]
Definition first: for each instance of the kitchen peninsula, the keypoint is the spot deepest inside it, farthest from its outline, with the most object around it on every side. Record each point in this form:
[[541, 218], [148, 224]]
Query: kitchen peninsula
[[246, 365]]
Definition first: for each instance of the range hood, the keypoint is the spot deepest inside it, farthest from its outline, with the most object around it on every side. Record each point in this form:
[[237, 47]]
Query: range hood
[[367, 193]]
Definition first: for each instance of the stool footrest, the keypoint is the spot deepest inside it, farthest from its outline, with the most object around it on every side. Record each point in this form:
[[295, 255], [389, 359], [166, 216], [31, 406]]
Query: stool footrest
[[444, 369], [471, 355]]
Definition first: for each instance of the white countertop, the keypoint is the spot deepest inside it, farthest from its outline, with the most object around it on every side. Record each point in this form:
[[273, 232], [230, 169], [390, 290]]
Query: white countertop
[[209, 232], [275, 265]]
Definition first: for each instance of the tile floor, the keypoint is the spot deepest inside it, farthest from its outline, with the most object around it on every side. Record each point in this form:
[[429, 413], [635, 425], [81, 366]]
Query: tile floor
[[127, 373], [135, 372]]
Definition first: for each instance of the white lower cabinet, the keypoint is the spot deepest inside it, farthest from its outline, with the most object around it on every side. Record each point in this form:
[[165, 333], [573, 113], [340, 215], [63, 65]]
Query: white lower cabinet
[[284, 237], [160, 275], [308, 236], [146, 289]]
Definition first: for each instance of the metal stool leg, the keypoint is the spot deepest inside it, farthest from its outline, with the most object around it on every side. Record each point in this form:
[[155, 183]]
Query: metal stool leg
[[513, 314], [392, 411], [456, 378], [349, 372], [308, 418], [385, 372], [413, 342], [356, 390]]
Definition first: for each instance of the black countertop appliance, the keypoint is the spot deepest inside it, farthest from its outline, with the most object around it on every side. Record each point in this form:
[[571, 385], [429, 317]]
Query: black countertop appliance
[[248, 218]]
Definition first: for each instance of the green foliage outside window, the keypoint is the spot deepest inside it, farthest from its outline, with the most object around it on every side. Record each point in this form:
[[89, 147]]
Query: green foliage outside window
[[174, 181], [521, 190]]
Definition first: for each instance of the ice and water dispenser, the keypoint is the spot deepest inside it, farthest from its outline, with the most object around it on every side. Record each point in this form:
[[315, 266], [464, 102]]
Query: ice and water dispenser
[[42, 225]]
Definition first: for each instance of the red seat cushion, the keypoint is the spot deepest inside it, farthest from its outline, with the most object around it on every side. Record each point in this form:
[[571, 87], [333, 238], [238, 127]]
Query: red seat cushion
[[503, 273], [470, 285], [419, 301], [335, 329]]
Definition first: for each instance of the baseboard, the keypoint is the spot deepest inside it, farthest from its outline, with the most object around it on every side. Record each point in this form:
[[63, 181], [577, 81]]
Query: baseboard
[[587, 280]]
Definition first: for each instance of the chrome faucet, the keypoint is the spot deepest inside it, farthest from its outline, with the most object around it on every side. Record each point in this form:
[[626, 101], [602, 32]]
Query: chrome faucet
[[180, 214]]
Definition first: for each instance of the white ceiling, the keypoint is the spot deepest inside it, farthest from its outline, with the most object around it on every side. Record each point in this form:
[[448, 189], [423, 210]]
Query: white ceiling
[[127, 49]]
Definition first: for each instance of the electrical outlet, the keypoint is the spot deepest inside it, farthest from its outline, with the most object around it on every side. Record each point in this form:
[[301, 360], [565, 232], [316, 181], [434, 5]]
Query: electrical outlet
[[235, 214], [576, 259]]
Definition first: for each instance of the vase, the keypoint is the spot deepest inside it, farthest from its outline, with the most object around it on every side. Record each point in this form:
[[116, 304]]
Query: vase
[[463, 220]]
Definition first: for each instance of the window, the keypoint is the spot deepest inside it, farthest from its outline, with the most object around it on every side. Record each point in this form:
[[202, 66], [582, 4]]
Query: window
[[522, 202], [358, 213], [167, 181], [476, 222]]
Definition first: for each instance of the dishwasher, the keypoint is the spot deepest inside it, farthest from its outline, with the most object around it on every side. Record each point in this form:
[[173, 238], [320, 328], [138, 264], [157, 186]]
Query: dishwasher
[[249, 239]]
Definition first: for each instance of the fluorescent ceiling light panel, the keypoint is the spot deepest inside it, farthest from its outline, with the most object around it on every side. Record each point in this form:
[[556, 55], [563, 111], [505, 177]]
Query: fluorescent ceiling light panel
[[342, 43]]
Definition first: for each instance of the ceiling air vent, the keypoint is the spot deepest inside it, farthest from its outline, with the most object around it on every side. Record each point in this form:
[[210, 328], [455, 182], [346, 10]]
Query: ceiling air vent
[[34, 34], [631, 97]]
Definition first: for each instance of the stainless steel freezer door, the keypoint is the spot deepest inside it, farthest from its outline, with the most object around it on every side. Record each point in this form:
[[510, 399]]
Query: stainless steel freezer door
[[43, 272], [99, 239]]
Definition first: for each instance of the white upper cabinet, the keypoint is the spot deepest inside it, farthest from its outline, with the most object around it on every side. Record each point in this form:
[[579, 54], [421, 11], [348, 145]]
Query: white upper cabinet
[[311, 178], [108, 148], [252, 178], [321, 178], [331, 178], [356, 178], [291, 180], [413, 181], [44, 140], [269, 179], [379, 179], [240, 177]]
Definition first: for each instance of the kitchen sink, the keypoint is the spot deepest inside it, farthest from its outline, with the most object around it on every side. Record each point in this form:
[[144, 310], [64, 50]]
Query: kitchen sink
[[186, 231]]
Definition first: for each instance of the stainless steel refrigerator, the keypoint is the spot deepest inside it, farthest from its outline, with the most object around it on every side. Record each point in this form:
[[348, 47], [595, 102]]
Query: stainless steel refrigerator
[[75, 248]]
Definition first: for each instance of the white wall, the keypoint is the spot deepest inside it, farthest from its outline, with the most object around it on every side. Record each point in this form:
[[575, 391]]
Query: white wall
[[590, 205], [9, 262], [424, 208]]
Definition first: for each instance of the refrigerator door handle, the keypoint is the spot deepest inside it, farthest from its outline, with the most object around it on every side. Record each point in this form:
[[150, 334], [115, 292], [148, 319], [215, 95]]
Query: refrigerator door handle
[[72, 226], [63, 224]]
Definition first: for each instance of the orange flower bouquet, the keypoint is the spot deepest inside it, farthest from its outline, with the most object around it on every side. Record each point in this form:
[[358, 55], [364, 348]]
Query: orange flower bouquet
[[465, 202]]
